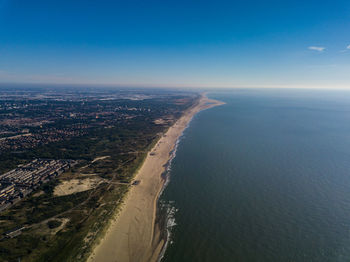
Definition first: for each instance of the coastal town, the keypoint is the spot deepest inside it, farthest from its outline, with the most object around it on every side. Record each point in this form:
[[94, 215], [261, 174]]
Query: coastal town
[[30, 121], [18, 183]]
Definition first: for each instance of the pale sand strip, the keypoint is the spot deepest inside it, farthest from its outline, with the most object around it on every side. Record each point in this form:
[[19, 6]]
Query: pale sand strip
[[130, 237]]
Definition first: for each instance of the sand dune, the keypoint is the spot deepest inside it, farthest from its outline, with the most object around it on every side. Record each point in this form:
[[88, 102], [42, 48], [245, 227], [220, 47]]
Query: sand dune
[[72, 186]]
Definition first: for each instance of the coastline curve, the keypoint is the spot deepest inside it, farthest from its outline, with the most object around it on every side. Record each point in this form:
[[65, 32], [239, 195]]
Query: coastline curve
[[134, 235]]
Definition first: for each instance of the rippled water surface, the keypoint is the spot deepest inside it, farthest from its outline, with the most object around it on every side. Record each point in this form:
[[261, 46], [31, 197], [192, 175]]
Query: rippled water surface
[[265, 177]]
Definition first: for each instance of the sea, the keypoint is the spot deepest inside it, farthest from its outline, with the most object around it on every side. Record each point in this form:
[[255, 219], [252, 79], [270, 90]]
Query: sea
[[265, 177]]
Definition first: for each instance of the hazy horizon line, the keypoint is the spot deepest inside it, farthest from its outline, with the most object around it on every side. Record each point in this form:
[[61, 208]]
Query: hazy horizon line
[[167, 86]]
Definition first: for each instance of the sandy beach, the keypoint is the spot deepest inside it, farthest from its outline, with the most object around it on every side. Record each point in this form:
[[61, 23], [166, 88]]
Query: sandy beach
[[132, 236]]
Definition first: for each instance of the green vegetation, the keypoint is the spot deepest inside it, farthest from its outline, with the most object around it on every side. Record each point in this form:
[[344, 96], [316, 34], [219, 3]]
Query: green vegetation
[[64, 228]]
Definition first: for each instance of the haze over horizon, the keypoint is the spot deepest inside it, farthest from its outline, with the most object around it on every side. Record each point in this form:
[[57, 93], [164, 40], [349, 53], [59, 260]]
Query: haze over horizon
[[177, 43]]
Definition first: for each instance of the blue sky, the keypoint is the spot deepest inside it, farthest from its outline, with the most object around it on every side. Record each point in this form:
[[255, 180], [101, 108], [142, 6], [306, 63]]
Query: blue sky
[[176, 43]]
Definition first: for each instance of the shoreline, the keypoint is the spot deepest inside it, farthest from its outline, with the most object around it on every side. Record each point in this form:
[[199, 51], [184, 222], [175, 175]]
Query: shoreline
[[135, 234]]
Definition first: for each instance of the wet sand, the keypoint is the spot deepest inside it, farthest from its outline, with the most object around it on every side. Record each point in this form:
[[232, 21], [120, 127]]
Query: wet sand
[[132, 237]]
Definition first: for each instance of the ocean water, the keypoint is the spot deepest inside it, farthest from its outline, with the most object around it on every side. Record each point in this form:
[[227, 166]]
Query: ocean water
[[265, 177]]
